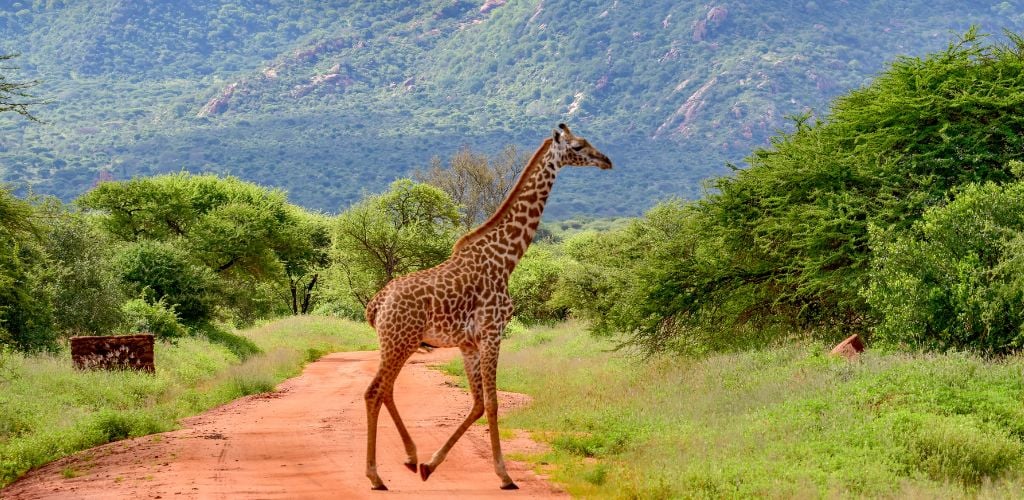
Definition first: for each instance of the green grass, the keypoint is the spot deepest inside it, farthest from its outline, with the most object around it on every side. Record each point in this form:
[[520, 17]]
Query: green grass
[[49, 410], [783, 421]]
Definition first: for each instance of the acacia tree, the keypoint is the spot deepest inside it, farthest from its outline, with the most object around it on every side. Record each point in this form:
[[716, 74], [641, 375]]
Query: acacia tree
[[477, 183], [252, 240], [304, 255], [14, 95], [410, 227]]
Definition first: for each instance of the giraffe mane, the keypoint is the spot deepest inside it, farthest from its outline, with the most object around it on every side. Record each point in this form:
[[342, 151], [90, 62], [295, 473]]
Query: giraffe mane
[[528, 171]]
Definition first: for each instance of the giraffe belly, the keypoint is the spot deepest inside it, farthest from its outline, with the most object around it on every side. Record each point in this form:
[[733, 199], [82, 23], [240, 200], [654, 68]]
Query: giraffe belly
[[438, 342], [434, 338], [449, 332]]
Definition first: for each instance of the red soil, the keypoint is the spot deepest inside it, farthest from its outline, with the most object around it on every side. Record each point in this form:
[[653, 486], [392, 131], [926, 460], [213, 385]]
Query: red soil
[[305, 440]]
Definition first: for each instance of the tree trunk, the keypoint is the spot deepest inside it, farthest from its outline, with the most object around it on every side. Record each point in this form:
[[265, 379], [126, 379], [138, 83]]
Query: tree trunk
[[309, 294], [295, 300]]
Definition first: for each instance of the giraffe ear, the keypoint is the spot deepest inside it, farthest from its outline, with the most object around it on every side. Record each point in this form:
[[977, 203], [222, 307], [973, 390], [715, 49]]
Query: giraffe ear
[[557, 136]]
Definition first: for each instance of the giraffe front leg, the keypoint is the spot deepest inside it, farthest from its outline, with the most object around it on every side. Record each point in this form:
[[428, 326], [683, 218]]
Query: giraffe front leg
[[410, 446], [488, 373], [471, 360]]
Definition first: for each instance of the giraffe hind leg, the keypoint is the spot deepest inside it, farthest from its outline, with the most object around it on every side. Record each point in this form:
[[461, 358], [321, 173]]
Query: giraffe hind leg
[[381, 392]]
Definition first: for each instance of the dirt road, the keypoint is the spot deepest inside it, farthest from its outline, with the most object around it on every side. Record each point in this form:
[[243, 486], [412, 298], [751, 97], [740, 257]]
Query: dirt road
[[306, 440]]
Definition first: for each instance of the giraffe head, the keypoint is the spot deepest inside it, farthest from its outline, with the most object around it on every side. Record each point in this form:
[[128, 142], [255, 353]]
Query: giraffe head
[[576, 151]]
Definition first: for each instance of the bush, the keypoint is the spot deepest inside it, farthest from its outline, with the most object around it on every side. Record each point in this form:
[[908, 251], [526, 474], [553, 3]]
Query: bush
[[533, 283], [87, 291], [956, 279], [164, 272], [157, 318], [958, 449], [26, 289]]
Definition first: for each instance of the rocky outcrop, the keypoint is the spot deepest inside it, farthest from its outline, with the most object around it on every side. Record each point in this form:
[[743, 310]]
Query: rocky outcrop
[[577, 99], [682, 120], [715, 16], [310, 53], [334, 78], [490, 5], [218, 104]]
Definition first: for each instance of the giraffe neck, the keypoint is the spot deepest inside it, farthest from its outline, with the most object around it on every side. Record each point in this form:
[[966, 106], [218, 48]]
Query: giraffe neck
[[505, 237]]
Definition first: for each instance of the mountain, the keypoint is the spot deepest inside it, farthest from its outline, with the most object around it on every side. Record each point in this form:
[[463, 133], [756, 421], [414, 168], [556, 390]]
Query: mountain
[[333, 99]]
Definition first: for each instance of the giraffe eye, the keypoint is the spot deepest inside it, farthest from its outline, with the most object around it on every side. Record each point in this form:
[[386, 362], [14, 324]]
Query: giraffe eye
[[577, 147]]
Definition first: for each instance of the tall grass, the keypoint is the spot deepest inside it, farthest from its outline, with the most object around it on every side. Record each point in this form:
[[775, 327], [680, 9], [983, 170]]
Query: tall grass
[[781, 421], [48, 409]]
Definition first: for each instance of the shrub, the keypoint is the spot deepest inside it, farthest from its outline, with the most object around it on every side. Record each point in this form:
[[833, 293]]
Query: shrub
[[954, 281], [26, 290], [157, 318], [164, 272], [87, 291], [957, 449], [533, 283]]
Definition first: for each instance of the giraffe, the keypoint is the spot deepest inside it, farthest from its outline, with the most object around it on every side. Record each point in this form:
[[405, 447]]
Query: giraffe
[[463, 302]]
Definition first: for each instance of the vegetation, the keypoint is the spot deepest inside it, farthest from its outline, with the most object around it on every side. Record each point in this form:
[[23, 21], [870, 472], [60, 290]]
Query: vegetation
[[785, 244], [897, 216], [783, 420], [52, 410], [476, 183], [331, 99], [953, 281], [410, 227], [204, 240]]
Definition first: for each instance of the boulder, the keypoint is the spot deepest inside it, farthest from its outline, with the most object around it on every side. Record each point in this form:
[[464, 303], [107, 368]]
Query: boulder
[[849, 348]]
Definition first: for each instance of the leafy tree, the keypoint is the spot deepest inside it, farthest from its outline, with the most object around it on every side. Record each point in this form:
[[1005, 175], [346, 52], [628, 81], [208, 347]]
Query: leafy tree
[[26, 314], [955, 280], [163, 272], [305, 254], [533, 283], [785, 243], [410, 227], [87, 290], [258, 245], [478, 184]]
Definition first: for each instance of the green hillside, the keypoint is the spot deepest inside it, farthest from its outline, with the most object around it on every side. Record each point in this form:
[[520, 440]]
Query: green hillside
[[333, 99]]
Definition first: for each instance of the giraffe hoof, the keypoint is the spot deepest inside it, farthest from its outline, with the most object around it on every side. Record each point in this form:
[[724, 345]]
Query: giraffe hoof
[[380, 487], [509, 486], [425, 471], [411, 467]]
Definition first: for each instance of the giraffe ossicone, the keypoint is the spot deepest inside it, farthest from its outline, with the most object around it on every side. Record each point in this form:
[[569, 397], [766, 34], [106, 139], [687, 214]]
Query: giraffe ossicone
[[464, 302]]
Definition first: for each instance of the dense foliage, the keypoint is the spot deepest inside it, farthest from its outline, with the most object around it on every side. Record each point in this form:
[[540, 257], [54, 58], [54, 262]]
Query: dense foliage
[[328, 99], [410, 227], [204, 240], [786, 242], [170, 255], [955, 280], [26, 312]]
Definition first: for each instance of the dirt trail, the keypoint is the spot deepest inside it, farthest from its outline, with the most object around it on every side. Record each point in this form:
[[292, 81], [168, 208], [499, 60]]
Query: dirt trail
[[306, 440]]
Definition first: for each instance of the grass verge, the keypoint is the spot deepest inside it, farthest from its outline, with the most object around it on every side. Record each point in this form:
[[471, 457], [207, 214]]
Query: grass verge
[[49, 410], [785, 421]]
